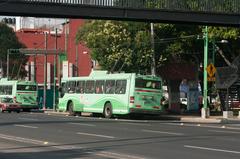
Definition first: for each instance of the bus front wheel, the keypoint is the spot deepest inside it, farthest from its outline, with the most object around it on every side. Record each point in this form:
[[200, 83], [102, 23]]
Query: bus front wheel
[[107, 112], [70, 109]]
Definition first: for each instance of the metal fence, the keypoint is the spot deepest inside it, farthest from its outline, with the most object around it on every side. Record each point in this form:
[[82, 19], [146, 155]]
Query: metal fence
[[212, 6]]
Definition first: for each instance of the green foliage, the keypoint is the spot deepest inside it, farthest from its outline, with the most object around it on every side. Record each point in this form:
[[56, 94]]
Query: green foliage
[[128, 44], [115, 43], [8, 40]]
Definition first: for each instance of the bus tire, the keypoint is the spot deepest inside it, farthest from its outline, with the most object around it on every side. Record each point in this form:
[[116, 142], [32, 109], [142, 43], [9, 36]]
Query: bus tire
[[107, 111], [70, 109]]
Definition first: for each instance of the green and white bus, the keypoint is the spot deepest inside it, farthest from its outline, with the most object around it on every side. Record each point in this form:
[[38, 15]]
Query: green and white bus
[[22, 92], [109, 94]]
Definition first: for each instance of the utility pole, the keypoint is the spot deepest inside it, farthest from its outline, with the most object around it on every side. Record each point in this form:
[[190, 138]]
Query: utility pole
[[54, 73], [205, 109], [66, 35], [153, 65], [76, 60], [45, 75], [35, 67], [8, 64]]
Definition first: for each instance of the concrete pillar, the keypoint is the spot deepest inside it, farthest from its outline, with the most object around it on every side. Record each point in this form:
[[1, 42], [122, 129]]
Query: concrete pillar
[[65, 69], [70, 73], [205, 113], [32, 71], [227, 114]]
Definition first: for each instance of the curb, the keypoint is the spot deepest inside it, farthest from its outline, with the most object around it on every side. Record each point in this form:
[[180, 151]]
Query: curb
[[201, 120], [169, 117], [64, 113], [210, 120]]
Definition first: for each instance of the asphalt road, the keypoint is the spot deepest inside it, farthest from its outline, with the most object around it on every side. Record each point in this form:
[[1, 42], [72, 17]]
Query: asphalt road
[[42, 136]]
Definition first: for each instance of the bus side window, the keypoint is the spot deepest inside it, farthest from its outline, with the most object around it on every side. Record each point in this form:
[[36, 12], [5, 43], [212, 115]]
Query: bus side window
[[99, 86], [77, 87], [1, 90], [62, 89], [121, 86], [71, 87], [89, 87], [80, 87], [110, 87], [8, 90]]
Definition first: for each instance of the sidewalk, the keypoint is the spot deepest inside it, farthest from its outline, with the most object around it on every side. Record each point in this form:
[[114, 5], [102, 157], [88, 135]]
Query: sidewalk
[[210, 120], [50, 111], [180, 118]]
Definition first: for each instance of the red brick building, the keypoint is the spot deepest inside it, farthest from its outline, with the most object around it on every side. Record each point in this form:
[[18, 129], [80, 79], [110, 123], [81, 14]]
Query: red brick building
[[78, 56]]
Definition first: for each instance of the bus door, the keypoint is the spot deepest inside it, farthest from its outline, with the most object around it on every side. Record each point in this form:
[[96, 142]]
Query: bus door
[[147, 94]]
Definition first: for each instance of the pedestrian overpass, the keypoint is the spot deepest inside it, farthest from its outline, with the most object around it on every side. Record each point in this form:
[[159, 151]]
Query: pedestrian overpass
[[203, 12]]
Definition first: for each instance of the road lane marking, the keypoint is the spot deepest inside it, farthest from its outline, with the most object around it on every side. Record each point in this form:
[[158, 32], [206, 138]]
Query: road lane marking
[[141, 124], [82, 124], [38, 142], [203, 126], [233, 132], [96, 135], [211, 149], [21, 139], [65, 147], [117, 155], [29, 119], [26, 126], [162, 132]]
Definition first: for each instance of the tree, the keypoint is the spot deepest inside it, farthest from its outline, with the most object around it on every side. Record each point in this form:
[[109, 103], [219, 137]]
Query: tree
[[230, 49], [117, 44], [128, 44], [8, 40]]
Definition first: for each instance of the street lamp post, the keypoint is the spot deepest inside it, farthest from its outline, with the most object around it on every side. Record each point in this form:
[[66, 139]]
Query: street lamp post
[[205, 109]]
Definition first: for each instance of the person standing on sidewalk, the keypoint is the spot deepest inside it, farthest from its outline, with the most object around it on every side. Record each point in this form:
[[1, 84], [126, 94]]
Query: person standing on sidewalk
[[184, 89]]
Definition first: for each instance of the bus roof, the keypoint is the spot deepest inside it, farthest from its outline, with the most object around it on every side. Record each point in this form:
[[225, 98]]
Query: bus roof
[[105, 75], [6, 81]]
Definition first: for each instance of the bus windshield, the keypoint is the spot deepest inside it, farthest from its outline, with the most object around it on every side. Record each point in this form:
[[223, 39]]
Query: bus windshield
[[26, 87], [149, 84]]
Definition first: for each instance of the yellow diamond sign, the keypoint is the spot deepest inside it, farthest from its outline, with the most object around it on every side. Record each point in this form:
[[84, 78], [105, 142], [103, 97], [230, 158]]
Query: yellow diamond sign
[[211, 70]]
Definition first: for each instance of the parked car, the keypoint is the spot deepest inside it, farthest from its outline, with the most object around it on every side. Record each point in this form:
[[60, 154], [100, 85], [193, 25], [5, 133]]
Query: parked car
[[8, 104]]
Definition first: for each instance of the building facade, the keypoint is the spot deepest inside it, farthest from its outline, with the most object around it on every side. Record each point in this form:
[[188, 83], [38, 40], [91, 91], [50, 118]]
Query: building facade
[[76, 63]]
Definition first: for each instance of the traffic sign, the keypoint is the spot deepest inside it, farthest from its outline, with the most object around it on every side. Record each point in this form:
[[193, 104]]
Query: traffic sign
[[211, 70], [211, 79]]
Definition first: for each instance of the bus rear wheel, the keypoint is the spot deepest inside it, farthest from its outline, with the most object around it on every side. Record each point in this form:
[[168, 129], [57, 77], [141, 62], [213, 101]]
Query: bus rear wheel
[[70, 109], [107, 112]]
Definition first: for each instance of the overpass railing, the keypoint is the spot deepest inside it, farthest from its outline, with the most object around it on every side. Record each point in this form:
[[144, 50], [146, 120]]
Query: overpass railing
[[212, 6]]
